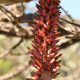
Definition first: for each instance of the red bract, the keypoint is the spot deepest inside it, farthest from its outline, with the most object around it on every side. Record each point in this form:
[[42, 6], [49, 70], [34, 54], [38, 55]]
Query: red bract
[[44, 50]]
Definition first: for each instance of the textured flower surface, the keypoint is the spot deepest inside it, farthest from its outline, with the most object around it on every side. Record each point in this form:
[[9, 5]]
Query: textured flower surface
[[44, 57]]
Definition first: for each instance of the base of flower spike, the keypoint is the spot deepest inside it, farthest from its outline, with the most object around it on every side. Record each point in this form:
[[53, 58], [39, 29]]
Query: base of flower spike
[[46, 76]]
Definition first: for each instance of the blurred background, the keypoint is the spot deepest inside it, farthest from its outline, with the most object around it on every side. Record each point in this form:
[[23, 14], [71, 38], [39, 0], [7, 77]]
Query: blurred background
[[16, 19]]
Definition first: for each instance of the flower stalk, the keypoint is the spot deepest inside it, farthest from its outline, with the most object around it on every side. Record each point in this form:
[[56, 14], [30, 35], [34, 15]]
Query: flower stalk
[[46, 76], [44, 53]]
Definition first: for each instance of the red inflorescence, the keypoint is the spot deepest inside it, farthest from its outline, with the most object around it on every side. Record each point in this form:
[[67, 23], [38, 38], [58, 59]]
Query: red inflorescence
[[44, 57]]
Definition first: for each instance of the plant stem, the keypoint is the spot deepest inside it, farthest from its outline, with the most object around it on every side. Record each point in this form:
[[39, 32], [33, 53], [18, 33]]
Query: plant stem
[[46, 76]]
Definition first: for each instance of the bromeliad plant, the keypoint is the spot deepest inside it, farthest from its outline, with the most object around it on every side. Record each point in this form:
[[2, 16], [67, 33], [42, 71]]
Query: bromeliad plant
[[44, 57]]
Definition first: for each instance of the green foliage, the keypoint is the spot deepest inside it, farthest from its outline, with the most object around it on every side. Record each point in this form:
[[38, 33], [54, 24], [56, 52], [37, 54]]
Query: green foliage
[[4, 66]]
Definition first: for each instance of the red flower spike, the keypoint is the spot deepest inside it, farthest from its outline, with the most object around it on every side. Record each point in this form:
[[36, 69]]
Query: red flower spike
[[47, 18], [45, 47], [58, 56], [55, 69], [46, 6], [52, 61], [56, 75], [57, 63], [35, 72], [52, 55], [48, 1], [49, 40], [51, 7], [42, 2], [40, 52], [55, 49], [40, 65], [44, 13]]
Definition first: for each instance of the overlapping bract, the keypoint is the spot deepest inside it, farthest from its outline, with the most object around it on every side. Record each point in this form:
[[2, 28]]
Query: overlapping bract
[[44, 39]]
